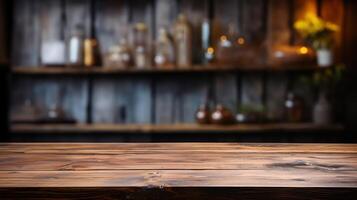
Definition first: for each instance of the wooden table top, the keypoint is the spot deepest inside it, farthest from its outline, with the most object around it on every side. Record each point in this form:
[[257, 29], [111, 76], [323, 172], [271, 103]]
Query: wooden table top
[[178, 165]]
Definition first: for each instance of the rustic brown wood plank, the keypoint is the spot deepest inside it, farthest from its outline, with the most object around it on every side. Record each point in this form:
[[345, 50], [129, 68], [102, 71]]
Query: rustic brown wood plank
[[115, 148], [64, 160], [190, 164], [178, 178], [169, 128]]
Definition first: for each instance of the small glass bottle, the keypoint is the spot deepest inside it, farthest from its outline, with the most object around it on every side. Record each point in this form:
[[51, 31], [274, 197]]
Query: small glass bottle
[[203, 114], [294, 107], [164, 56], [208, 50], [141, 46], [222, 115], [119, 56], [75, 51], [183, 42]]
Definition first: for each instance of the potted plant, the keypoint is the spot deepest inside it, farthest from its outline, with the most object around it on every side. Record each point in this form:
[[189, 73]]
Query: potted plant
[[319, 34], [324, 83]]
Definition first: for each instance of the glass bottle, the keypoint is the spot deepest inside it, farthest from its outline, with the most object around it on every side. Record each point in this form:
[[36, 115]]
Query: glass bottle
[[203, 114], [75, 51], [294, 107], [222, 115], [141, 46], [183, 42], [119, 55], [164, 56], [208, 50]]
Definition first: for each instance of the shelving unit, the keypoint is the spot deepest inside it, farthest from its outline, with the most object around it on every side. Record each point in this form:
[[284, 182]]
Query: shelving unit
[[173, 128], [62, 70]]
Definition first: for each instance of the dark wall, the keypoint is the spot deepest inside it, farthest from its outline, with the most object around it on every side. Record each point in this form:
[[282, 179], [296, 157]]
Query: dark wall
[[4, 104], [349, 52]]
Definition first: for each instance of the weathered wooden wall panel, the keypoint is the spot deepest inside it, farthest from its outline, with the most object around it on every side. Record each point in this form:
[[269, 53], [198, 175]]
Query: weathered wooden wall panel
[[124, 100], [50, 92], [253, 25], [225, 84], [26, 38], [279, 33], [177, 98], [163, 99]]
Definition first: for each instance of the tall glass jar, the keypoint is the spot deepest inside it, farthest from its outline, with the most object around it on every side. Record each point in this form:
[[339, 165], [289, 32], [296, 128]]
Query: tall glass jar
[[141, 46], [164, 55], [183, 42]]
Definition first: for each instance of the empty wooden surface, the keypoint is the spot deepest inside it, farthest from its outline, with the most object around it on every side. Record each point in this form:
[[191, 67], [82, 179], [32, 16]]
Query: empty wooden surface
[[117, 166]]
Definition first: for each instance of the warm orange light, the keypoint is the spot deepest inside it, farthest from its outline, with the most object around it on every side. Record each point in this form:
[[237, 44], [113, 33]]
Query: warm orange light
[[223, 38], [241, 41], [210, 50], [303, 50]]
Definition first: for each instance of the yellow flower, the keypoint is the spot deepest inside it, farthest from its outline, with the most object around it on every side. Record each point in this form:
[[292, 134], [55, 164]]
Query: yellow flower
[[331, 26], [312, 25]]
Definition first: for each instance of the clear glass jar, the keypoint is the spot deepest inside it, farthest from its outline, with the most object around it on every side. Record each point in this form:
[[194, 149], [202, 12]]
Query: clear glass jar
[[183, 42], [141, 46], [164, 55]]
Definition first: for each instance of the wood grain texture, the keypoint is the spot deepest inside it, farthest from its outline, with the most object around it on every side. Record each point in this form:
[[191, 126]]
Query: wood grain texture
[[163, 165]]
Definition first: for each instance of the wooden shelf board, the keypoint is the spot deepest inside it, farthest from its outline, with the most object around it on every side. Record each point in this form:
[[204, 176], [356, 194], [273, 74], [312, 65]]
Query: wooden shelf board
[[174, 128], [33, 70]]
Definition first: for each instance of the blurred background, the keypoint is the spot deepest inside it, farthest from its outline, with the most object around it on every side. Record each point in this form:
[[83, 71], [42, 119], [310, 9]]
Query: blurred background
[[178, 70]]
